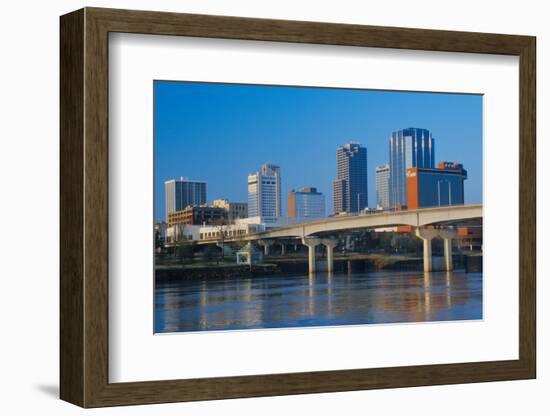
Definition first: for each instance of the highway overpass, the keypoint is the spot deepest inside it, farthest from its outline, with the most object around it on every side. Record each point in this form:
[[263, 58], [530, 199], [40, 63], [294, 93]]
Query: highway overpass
[[416, 218]]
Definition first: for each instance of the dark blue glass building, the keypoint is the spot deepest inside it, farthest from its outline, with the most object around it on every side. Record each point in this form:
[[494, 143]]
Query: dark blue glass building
[[183, 193], [441, 186], [350, 189]]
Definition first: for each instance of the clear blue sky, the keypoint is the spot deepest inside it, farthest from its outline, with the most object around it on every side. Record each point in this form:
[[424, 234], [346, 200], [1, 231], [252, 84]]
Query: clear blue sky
[[220, 133]]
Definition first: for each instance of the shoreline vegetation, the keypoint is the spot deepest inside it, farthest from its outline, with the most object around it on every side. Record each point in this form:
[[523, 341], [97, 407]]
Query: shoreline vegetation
[[171, 271]]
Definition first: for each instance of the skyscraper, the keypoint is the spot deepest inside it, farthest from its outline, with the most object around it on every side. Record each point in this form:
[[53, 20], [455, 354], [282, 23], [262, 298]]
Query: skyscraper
[[409, 148], [350, 189], [181, 193], [383, 186], [264, 192], [306, 203]]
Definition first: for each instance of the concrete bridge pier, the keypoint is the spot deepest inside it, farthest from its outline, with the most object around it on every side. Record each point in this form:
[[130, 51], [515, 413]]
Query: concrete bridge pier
[[283, 249], [311, 243], [427, 235], [266, 244], [330, 243], [447, 234]]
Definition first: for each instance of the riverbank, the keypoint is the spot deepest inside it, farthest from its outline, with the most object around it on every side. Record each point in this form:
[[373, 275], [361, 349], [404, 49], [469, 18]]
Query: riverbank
[[171, 274], [356, 263]]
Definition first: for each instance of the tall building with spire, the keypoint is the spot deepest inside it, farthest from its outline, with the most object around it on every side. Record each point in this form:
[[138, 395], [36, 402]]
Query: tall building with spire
[[409, 148], [350, 189], [264, 192]]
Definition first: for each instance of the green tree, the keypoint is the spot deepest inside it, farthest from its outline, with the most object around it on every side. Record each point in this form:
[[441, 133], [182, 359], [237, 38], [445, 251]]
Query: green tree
[[395, 242], [211, 253], [413, 244], [185, 251], [222, 226], [384, 240], [157, 238]]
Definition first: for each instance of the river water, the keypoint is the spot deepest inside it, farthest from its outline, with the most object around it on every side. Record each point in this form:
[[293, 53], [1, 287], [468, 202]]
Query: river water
[[318, 300]]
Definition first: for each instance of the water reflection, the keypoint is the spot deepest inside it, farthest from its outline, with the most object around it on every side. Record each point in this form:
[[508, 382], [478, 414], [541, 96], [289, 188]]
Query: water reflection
[[317, 300]]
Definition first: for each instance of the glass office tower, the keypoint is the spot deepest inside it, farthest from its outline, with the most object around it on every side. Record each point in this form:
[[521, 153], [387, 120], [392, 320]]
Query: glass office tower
[[181, 193], [409, 148], [350, 190]]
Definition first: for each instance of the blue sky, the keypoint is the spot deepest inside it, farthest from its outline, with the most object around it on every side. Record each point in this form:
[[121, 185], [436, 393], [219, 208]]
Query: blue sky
[[220, 133]]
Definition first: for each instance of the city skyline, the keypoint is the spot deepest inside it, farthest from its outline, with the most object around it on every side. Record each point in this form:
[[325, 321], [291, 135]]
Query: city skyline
[[236, 140]]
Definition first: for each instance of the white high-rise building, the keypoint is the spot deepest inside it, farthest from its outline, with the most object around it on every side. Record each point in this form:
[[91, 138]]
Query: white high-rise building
[[264, 192], [383, 186]]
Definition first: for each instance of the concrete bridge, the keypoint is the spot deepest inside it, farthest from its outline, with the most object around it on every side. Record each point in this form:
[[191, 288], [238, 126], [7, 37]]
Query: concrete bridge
[[314, 233], [416, 218]]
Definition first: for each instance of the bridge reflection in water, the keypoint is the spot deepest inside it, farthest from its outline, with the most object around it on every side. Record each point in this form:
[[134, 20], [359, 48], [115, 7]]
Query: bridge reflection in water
[[319, 299]]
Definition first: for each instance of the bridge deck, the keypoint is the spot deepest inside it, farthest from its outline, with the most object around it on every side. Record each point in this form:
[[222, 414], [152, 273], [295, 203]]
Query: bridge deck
[[415, 218]]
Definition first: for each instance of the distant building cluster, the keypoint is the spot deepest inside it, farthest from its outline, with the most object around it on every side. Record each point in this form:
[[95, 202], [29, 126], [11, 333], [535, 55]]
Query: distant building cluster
[[190, 217], [409, 180]]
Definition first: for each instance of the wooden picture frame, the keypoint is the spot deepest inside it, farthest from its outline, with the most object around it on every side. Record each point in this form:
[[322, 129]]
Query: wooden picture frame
[[84, 207]]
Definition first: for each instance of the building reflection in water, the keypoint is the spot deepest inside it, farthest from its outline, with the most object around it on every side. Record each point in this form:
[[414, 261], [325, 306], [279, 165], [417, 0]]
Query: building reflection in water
[[317, 300], [448, 282], [427, 294]]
